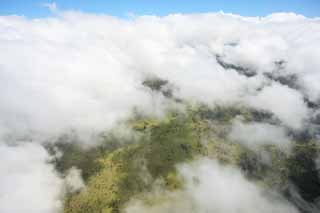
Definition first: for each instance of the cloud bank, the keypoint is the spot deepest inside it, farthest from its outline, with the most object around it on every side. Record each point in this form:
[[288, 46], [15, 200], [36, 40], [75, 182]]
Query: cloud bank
[[84, 71]]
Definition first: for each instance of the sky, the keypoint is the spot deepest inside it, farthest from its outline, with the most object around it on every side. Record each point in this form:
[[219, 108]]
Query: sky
[[123, 8]]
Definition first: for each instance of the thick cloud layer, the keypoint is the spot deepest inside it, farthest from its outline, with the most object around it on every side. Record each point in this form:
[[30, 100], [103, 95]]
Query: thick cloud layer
[[84, 72]]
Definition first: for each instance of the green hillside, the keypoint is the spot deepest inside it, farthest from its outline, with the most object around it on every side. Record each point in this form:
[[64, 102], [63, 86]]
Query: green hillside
[[121, 169]]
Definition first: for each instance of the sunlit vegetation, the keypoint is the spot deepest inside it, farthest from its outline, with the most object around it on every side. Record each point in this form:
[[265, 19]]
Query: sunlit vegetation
[[116, 172]]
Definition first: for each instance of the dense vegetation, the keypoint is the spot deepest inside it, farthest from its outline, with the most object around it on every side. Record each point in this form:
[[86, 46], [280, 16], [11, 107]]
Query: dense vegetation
[[120, 169]]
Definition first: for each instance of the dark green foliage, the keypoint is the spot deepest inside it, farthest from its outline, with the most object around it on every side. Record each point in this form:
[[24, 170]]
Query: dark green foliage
[[219, 113], [73, 155], [154, 83], [225, 114], [303, 170], [170, 143], [119, 179], [132, 169], [158, 85], [241, 70], [121, 169]]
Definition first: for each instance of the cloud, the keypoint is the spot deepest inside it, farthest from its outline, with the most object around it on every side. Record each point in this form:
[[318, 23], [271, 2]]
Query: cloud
[[255, 134], [287, 104], [28, 182], [84, 72], [211, 187], [51, 6], [73, 180]]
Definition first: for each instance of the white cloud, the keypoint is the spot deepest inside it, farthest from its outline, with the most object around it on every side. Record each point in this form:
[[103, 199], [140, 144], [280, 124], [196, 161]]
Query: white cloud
[[73, 180], [211, 187], [287, 104], [84, 71], [255, 134], [27, 182], [51, 6]]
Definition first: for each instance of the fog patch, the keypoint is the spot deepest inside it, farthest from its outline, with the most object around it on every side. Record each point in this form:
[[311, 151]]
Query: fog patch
[[28, 182], [210, 187], [73, 180], [254, 135]]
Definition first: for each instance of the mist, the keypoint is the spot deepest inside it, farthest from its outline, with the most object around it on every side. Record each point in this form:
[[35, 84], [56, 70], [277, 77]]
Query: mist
[[213, 188]]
